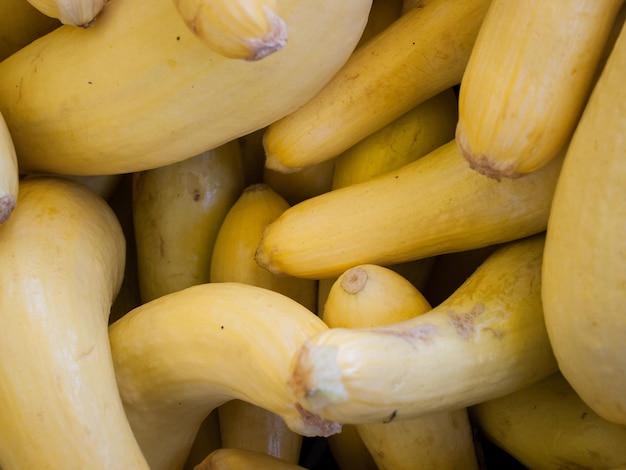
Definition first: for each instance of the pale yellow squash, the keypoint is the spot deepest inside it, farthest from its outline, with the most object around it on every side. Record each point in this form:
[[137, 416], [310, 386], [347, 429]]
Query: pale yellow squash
[[584, 290], [62, 255]]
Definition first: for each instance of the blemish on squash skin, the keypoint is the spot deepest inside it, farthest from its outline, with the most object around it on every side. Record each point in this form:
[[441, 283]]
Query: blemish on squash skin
[[391, 417], [465, 323], [421, 333]]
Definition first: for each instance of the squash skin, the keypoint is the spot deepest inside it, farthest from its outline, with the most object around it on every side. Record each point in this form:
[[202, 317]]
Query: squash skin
[[584, 290], [522, 94], [486, 340], [177, 212], [369, 296], [431, 206], [62, 255], [138, 90], [546, 426], [242, 424], [180, 356], [421, 54]]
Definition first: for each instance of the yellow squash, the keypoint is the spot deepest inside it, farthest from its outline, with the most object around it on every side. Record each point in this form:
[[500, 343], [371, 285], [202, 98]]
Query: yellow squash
[[422, 53], [486, 340], [318, 178], [139, 90], [62, 255], [177, 212], [527, 81], [584, 290], [180, 356], [244, 425], [368, 296], [433, 205], [407, 138], [546, 426]]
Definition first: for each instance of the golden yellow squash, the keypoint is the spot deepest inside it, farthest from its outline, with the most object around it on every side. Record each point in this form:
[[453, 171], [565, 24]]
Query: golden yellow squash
[[421, 54], [546, 426], [527, 80], [434, 205], [138, 89], [370, 296]]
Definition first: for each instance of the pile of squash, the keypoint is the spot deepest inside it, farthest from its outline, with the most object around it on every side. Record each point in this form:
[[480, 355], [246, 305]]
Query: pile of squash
[[229, 229]]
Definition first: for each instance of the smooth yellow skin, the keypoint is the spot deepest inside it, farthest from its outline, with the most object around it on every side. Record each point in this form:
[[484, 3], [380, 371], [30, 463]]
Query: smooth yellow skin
[[177, 212], [584, 291], [139, 90], [242, 424], [346, 447], [421, 54], [405, 139], [527, 81], [62, 255], [20, 24], [240, 459], [9, 173], [180, 356], [320, 178], [546, 426], [369, 296], [237, 240], [432, 206], [486, 340]]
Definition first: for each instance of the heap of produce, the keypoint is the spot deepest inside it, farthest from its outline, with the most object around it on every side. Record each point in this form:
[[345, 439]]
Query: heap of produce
[[286, 234]]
